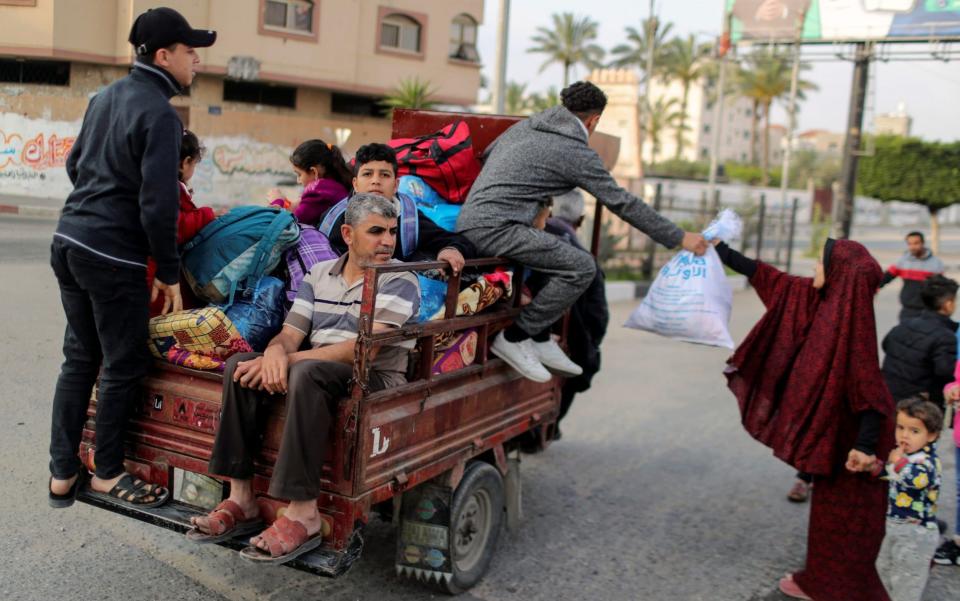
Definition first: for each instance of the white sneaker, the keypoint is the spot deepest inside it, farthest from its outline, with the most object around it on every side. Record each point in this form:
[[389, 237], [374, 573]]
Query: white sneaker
[[521, 357], [552, 356]]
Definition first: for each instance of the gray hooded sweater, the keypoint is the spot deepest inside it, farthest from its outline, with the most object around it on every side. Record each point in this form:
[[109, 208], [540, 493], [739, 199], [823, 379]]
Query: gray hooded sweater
[[544, 156]]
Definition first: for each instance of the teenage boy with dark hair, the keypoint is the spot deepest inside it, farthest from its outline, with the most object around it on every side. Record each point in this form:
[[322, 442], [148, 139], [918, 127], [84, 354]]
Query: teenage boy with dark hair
[[123, 208], [915, 266], [375, 172], [921, 352], [541, 157]]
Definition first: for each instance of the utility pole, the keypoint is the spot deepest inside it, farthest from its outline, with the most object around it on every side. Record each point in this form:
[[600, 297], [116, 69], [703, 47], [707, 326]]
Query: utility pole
[[791, 128], [722, 48], [851, 147], [652, 27], [500, 75]]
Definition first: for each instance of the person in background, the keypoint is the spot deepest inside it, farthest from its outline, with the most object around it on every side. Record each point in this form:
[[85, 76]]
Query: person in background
[[190, 219], [921, 352], [916, 265], [325, 177], [589, 315]]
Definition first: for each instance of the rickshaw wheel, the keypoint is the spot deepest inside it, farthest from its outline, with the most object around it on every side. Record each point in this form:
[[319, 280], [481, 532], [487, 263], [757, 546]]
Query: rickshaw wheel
[[476, 518]]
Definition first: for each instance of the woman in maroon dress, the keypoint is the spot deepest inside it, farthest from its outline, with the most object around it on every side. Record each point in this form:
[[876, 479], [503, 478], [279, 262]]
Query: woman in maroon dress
[[807, 378]]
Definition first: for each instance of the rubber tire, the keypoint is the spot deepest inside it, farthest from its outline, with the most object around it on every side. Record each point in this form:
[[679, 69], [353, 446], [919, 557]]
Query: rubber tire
[[478, 475]]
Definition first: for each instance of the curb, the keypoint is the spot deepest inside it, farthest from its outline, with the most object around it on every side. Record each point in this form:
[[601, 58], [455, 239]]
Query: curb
[[29, 211]]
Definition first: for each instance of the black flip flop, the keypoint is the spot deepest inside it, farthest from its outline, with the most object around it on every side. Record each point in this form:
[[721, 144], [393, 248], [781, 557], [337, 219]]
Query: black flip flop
[[68, 498], [129, 490]]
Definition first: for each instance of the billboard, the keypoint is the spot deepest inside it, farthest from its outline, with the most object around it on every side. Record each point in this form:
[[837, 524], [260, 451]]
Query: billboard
[[844, 20]]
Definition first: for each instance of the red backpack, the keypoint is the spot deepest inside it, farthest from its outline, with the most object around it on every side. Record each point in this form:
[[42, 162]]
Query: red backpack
[[444, 159]]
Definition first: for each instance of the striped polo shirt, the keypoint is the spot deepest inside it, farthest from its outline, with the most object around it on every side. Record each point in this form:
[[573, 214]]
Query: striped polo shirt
[[327, 310]]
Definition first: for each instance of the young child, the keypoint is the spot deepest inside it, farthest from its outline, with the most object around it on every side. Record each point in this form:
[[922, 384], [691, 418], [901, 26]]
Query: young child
[[913, 471], [949, 552], [325, 178], [191, 219]]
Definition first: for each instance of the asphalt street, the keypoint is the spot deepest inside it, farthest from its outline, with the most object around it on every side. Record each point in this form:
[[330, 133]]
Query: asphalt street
[[654, 493]]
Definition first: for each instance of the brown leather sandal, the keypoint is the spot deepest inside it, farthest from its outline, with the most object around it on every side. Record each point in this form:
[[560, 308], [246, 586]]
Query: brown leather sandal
[[227, 521]]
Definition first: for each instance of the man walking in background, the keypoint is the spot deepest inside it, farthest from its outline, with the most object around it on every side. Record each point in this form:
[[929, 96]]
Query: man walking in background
[[916, 265]]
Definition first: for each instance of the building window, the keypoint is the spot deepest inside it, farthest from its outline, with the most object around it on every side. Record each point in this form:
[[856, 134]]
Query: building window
[[706, 128], [463, 38], [350, 104], [260, 93], [704, 153], [289, 15], [746, 135], [400, 32], [50, 73]]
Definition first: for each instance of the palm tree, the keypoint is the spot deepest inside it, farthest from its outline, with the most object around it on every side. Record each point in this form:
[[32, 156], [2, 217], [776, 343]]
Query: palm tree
[[685, 61], [549, 99], [661, 115], [569, 43], [634, 52], [765, 79], [410, 93], [515, 101]]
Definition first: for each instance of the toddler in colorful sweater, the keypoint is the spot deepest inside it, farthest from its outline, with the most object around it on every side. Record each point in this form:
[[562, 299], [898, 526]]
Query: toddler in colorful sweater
[[913, 470]]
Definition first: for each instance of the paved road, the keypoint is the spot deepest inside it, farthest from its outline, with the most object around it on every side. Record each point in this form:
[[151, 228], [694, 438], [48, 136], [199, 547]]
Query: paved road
[[654, 493]]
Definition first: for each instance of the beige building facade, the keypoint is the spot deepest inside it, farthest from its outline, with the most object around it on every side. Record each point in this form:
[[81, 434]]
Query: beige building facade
[[282, 71]]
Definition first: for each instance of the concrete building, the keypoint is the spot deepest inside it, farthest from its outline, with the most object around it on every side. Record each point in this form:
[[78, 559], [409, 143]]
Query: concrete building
[[735, 131], [898, 123], [281, 71], [821, 141], [621, 118]]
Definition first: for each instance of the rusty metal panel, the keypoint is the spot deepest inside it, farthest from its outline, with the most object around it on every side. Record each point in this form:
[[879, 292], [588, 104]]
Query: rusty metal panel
[[463, 419]]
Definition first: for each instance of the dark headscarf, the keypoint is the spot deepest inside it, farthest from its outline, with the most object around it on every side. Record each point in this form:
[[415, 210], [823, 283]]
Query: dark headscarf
[[810, 364]]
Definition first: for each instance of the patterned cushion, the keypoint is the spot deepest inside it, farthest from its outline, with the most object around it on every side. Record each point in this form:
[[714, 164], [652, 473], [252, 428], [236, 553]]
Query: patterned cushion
[[208, 331]]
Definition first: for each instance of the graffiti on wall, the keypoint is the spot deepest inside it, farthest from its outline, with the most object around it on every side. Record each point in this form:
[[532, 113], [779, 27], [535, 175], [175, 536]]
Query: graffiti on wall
[[33, 153], [235, 170]]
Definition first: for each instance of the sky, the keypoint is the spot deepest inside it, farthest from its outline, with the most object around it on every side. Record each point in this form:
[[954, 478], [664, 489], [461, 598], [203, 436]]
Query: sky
[[929, 89]]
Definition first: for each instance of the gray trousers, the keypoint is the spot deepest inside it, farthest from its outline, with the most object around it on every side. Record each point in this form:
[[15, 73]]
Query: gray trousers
[[904, 559], [567, 270]]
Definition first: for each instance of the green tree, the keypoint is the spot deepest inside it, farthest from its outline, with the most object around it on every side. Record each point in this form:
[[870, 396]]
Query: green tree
[[764, 79], [550, 98], [661, 115], [634, 52], [912, 170], [569, 43], [515, 100], [410, 93], [684, 60]]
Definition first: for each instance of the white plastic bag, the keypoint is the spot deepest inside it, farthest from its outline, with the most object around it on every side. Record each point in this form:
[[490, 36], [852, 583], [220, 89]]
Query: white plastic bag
[[691, 300]]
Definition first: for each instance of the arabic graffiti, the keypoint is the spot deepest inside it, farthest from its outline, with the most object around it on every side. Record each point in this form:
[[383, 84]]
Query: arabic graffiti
[[38, 152]]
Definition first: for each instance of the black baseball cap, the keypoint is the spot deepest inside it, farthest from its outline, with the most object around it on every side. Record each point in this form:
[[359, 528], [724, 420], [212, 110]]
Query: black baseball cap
[[162, 27]]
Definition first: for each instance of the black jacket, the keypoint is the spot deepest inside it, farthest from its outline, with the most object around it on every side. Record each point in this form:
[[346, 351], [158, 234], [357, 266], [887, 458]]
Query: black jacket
[[123, 167], [921, 354], [430, 241]]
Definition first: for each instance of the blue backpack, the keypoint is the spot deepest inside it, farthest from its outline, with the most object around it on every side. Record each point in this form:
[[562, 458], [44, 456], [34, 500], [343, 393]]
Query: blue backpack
[[409, 222], [236, 249]]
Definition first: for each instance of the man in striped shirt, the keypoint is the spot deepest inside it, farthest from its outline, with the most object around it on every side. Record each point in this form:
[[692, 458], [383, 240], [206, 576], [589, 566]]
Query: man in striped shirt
[[326, 312]]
